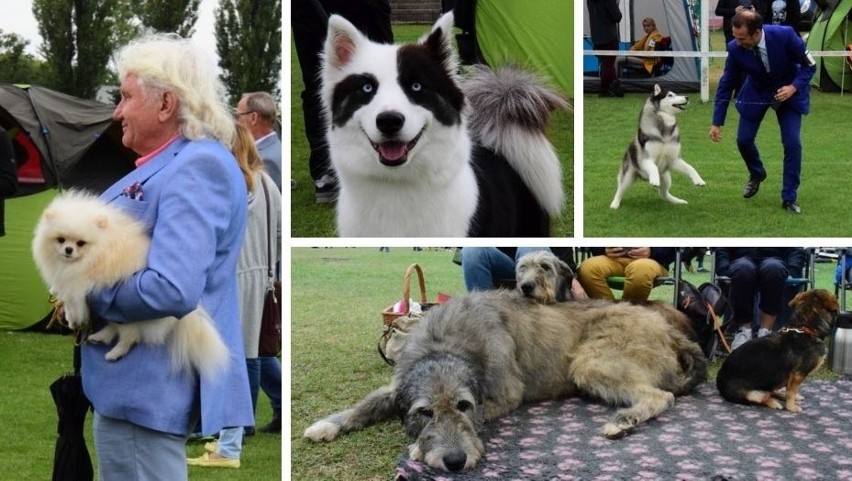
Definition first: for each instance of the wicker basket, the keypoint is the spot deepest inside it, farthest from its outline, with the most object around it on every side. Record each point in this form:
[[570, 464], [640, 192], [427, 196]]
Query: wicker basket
[[388, 316]]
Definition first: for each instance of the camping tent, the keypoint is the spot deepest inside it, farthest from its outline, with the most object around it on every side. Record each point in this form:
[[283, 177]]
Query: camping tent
[[675, 19], [832, 31], [535, 33], [60, 141]]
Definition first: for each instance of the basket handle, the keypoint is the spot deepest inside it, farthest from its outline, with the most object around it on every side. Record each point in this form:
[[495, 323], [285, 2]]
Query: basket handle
[[406, 284]]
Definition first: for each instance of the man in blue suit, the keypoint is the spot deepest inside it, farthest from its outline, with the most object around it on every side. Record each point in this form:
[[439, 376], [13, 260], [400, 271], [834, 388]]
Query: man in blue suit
[[189, 193], [776, 70]]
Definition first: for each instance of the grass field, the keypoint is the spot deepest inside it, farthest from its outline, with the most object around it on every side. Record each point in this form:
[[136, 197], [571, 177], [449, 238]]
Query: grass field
[[309, 219], [718, 209], [31, 362], [337, 297]]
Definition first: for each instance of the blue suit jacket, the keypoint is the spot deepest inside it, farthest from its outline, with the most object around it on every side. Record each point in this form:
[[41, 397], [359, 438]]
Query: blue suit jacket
[[269, 149], [788, 65], [194, 205]]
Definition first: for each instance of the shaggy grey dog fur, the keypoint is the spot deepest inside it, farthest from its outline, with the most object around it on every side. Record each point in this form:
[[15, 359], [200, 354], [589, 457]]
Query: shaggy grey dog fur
[[543, 276], [479, 357]]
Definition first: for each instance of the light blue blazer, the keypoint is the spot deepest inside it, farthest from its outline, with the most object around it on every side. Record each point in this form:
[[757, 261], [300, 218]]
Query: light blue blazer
[[269, 149], [194, 206]]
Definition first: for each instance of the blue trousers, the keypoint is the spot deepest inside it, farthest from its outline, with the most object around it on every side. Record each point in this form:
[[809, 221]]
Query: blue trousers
[[748, 278], [790, 122], [128, 452], [482, 267]]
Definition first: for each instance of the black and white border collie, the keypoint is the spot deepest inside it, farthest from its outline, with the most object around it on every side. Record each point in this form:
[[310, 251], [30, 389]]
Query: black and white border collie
[[418, 153]]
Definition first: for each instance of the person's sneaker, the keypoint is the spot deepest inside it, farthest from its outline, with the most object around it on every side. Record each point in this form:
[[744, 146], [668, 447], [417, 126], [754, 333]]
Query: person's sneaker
[[211, 447], [763, 332], [702, 269], [742, 336], [207, 461], [753, 185], [791, 206], [325, 189]]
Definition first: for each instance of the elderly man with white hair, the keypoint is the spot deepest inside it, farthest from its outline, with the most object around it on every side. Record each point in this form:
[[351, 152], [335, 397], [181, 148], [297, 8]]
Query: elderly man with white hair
[[189, 192]]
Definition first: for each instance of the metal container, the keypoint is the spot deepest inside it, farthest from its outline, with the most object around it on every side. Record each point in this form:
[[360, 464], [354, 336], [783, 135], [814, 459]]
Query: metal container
[[840, 347]]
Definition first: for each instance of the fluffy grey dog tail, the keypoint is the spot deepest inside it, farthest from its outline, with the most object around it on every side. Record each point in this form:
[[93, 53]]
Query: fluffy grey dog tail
[[509, 109]]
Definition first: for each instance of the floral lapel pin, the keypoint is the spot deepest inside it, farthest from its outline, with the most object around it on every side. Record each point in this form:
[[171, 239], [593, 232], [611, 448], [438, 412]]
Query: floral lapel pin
[[133, 191]]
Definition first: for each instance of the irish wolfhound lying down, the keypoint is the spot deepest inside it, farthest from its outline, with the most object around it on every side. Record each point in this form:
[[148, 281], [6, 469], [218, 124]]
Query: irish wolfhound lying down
[[478, 357], [543, 276]]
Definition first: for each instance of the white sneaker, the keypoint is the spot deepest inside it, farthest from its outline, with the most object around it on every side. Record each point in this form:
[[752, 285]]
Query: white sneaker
[[742, 336], [763, 332]]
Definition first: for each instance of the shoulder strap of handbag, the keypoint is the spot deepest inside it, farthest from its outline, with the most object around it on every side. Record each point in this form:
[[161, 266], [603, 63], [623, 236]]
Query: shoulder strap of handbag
[[269, 267]]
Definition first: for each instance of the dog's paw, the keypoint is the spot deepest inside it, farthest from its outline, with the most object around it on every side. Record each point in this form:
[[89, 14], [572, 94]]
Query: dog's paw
[[322, 431], [699, 182], [793, 408], [614, 205], [773, 404], [614, 431]]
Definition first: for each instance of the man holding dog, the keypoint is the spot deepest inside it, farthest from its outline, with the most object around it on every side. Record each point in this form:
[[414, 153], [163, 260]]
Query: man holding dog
[[775, 70]]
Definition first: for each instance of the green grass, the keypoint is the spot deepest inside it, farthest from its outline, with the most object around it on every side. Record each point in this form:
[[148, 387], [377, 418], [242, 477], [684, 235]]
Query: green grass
[[337, 297], [309, 219], [31, 362], [717, 210]]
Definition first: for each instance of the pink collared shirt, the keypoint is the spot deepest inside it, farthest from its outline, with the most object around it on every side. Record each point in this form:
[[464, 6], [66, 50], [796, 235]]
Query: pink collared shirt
[[141, 160]]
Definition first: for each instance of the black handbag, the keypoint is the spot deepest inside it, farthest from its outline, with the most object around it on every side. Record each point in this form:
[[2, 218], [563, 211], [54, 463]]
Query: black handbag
[[704, 305]]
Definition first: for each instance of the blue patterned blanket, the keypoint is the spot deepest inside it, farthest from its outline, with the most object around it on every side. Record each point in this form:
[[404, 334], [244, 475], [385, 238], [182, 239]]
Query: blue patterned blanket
[[702, 437]]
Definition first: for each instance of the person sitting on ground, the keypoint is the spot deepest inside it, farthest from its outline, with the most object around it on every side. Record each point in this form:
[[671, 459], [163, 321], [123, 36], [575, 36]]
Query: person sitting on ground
[[487, 267], [648, 43], [639, 266], [752, 270]]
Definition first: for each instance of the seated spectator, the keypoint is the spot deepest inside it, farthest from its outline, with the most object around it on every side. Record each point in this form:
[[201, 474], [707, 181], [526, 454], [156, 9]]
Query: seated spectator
[[485, 267], [648, 43], [638, 265], [754, 270]]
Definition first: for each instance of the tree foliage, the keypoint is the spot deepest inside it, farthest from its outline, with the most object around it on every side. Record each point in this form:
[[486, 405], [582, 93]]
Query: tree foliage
[[16, 65], [169, 15], [79, 37], [248, 40]]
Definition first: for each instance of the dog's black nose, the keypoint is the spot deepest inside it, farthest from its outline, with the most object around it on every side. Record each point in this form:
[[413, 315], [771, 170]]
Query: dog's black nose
[[455, 461], [69, 251], [528, 288], [390, 122]]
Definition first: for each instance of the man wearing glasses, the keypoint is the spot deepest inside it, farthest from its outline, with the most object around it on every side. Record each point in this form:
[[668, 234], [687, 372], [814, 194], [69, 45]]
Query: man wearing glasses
[[256, 111]]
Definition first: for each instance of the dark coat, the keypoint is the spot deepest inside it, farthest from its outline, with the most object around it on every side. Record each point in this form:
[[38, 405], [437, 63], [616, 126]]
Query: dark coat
[[604, 16], [8, 175]]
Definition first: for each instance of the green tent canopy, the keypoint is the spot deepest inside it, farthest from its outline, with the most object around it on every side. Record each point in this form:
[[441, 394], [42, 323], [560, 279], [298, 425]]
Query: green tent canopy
[[536, 34], [832, 31], [60, 141]]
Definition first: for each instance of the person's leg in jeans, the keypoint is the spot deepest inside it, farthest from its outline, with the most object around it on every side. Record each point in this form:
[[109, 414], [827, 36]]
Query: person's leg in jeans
[[743, 272], [771, 280], [483, 266], [270, 382]]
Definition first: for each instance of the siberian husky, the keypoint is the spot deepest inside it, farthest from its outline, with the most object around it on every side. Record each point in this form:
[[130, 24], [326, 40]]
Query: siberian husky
[[655, 149], [418, 153]]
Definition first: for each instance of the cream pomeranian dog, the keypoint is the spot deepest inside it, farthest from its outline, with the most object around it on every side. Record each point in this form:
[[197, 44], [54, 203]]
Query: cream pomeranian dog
[[82, 244]]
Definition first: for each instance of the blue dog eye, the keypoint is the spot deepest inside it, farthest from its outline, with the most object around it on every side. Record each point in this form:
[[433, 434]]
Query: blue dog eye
[[416, 86], [367, 88]]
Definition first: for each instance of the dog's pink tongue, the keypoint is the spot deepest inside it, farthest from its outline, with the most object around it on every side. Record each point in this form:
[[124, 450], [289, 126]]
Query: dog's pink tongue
[[392, 151]]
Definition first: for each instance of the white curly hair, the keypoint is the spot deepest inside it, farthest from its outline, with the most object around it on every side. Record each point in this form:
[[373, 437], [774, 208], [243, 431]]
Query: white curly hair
[[168, 62]]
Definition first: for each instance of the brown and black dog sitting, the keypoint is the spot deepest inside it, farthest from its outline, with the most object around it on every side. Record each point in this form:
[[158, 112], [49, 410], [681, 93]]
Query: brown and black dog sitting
[[753, 373]]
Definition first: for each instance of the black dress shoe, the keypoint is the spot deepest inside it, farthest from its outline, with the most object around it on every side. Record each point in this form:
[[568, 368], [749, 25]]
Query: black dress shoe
[[274, 426], [791, 206], [753, 185]]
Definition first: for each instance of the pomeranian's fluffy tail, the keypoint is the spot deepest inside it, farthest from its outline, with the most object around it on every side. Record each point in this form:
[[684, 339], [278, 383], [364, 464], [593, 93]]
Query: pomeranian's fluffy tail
[[197, 345], [508, 112]]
